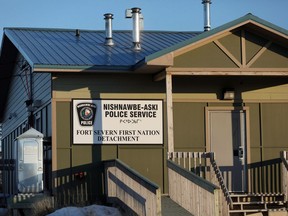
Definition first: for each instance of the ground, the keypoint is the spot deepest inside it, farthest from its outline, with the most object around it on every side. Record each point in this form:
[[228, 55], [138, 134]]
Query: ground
[[93, 210]]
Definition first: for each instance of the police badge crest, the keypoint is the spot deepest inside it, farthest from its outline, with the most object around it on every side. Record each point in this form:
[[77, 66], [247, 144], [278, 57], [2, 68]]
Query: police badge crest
[[86, 113]]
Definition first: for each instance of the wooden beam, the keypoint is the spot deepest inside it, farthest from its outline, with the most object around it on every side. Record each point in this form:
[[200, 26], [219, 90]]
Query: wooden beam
[[160, 76], [227, 53], [207, 40], [243, 48], [223, 73], [228, 71], [274, 31], [169, 107], [167, 60], [261, 51]]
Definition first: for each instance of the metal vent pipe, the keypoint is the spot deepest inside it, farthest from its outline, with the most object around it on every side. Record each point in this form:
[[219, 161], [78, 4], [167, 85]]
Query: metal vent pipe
[[136, 28], [108, 29], [207, 25]]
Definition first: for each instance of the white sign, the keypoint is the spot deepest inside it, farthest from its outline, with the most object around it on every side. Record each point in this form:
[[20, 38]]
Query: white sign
[[117, 121]]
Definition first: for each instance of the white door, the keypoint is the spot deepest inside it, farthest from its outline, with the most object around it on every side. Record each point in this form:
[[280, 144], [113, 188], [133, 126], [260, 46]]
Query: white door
[[227, 135]]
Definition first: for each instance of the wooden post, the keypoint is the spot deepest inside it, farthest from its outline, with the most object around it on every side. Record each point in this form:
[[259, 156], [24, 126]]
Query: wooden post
[[217, 205], [169, 107], [284, 173]]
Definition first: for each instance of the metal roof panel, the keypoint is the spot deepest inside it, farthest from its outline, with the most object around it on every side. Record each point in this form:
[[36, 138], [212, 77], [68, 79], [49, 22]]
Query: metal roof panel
[[63, 47]]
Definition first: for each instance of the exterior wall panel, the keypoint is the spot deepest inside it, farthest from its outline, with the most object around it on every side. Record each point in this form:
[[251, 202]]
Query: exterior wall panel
[[94, 86], [189, 126], [279, 92], [274, 124], [198, 58], [148, 161], [253, 44], [81, 155], [17, 96], [274, 57], [42, 87], [63, 153], [109, 152], [232, 42], [63, 124], [255, 127]]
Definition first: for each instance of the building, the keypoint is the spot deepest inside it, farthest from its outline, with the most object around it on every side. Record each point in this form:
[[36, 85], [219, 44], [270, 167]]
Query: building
[[223, 90]]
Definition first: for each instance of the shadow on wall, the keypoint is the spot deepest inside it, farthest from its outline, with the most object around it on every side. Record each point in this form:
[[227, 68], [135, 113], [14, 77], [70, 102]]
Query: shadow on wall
[[216, 84], [79, 186]]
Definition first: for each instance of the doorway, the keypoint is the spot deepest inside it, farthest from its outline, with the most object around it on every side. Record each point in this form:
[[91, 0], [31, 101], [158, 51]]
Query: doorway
[[227, 137]]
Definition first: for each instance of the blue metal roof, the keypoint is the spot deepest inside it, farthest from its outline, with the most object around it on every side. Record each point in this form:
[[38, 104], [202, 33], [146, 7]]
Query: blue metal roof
[[56, 47], [60, 48]]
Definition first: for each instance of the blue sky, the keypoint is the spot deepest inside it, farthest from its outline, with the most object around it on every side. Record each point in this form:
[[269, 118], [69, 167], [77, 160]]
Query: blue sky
[[180, 15]]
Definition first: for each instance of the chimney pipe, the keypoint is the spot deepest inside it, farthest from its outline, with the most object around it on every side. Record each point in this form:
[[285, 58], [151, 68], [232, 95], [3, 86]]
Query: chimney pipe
[[136, 28], [108, 29], [207, 25], [77, 33]]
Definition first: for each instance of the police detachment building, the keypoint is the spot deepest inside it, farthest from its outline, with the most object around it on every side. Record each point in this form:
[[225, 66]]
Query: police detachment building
[[199, 116]]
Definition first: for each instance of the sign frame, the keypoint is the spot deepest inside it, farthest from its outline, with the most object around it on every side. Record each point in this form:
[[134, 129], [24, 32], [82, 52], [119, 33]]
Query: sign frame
[[147, 111]]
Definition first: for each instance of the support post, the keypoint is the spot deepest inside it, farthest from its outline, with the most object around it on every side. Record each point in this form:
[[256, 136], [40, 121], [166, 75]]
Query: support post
[[169, 108]]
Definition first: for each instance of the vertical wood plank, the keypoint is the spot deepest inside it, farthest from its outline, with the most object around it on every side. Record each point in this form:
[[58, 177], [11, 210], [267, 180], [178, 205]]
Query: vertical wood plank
[[169, 107], [243, 48], [189, 160]]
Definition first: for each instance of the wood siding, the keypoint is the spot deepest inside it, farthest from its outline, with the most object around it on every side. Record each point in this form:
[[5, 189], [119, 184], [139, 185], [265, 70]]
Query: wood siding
[[17, 96], [42, 87]]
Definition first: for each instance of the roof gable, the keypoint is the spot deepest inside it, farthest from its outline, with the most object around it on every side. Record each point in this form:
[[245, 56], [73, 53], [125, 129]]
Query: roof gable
[[248, 23], [239, 49]]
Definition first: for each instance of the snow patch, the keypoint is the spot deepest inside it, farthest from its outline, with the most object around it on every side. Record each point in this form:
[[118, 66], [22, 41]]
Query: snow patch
[[93, 210]]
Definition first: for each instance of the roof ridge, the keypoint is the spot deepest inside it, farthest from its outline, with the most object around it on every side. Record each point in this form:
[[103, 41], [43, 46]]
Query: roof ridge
[[96, 30]]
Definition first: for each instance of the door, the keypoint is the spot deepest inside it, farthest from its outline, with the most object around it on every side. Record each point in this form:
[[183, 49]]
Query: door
[[227, 136]]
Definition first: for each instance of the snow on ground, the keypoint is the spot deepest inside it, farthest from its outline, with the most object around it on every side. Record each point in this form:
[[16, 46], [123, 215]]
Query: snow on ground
[[93, 210]]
